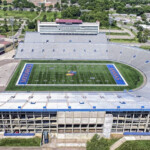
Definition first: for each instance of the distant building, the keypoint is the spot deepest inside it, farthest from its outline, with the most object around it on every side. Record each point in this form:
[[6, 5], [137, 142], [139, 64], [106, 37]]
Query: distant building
[[133, 15], [137, 6], [144, 26], [9, 1], [5, 44], [128, 6], [147, 16], [46, 2], [68, 26]]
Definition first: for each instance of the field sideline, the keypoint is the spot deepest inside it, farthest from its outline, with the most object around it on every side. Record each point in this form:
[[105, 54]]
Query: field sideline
[[86, 74]]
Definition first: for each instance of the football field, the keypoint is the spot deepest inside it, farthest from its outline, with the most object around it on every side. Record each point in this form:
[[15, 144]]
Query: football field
[[72, 74]]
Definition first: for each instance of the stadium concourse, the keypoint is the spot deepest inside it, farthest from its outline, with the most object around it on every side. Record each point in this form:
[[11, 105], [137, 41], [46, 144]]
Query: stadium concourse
[[78, 114]]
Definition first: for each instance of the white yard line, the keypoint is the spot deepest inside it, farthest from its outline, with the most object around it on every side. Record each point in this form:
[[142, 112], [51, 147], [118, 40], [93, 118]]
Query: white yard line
[[70, 85]]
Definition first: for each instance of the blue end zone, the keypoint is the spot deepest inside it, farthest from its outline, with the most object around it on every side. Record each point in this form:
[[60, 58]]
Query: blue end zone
[[116, 75], [25, 75]]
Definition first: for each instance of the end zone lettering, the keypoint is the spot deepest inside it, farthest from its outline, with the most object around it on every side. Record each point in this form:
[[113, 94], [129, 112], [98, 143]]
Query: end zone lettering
[[26, 73]]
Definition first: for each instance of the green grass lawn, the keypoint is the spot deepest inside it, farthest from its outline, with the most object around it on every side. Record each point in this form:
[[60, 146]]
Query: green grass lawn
[[20, 142], [112, 28], [115, 33], [28, 15], [145, 47], [98, 143], [135, 145], [131, 75], [49, 16], [135, 40], [59, 74], [18, 14]]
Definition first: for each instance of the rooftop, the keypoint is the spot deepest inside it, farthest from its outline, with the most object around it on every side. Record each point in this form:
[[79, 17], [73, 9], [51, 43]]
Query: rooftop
[[72, 101], [70, 21]]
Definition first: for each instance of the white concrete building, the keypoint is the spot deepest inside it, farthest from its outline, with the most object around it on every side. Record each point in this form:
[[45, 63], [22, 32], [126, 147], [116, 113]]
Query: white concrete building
[[144, 26], [68, 26]]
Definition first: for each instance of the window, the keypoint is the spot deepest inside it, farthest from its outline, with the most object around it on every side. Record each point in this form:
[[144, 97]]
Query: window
[[53, 50], [32, 50], [42, 50], [21, 50]]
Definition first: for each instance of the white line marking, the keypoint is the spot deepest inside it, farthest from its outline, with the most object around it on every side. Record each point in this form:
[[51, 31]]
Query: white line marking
[[17, 83], [120, 75]]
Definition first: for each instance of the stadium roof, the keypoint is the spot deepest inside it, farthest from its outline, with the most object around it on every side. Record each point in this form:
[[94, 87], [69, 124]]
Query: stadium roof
[[70, 21], [72, 101]]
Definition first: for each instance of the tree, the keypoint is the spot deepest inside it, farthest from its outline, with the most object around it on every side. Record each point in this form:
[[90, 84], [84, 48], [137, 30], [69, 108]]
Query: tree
[[143, 17], [22, 4], [73, 1], [142, 37], [31, 9], [5, 2], [43, 7], [0, 2], [35, 22], [57, 5], [38, 8], [10, 8], [50, 8], [55, 14], [31, 25], [5, 8], [44, 19], [5, 25], [71, 12]]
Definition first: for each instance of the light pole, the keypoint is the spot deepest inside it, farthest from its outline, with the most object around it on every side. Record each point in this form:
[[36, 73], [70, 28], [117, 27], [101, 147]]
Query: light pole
[[12, 23], [110, 23]]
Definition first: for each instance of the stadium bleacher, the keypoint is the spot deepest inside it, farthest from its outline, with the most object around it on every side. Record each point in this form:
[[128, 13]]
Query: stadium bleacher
[[78, 47]]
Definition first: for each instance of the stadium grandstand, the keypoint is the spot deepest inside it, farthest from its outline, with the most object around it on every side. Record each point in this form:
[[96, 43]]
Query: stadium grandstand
[[78, 114], [68, 26]]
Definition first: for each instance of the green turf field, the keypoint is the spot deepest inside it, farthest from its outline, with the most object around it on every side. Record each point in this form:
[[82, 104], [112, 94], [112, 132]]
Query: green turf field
[[89, 73], [52, 73]]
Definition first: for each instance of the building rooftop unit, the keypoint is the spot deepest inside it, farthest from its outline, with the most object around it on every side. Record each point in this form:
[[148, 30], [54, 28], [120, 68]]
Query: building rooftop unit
[[69, 21], [72, 101], [59, 24]]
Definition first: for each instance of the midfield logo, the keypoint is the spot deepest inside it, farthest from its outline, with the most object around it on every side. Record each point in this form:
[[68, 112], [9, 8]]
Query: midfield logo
[[71, 73]]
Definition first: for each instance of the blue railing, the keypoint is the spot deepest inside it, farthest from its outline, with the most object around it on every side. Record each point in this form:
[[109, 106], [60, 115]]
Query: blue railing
[[19, 134], [136, 133]]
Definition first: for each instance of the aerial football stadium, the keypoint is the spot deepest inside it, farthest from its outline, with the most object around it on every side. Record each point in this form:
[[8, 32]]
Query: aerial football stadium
[[73, 82]]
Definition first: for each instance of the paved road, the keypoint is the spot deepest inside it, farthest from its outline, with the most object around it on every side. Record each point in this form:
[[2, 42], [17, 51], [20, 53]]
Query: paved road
[[37, 16], [131, 35], [20, 148], [20, 29]]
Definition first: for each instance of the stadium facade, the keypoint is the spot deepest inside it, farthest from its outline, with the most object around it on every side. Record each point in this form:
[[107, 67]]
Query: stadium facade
[[63, 26], [78, 114]]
